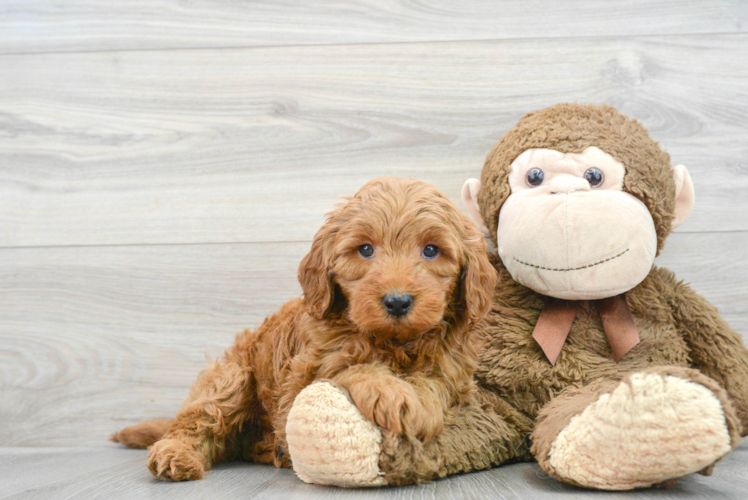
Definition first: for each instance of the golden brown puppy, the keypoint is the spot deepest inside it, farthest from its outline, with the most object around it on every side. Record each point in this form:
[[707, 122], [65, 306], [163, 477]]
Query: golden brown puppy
[[392, 286]]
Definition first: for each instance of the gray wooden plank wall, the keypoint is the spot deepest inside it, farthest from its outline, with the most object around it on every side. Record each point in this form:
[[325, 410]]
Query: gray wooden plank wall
[[89, 25], [164, 164]]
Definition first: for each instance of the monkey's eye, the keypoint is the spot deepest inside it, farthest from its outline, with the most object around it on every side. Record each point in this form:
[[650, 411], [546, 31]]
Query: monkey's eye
[[594, 176], [366, 251], [430, 251], [535, 177]]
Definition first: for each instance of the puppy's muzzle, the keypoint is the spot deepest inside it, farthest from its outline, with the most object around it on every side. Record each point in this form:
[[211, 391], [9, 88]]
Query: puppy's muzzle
[[397, 304]]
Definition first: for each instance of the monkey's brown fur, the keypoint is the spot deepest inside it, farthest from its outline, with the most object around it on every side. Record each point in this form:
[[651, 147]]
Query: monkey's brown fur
[[520, 391], [408, 375], [570, 128]]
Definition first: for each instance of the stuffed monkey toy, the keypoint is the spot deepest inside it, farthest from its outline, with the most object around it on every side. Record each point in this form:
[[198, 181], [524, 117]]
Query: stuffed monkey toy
[[607, 370]]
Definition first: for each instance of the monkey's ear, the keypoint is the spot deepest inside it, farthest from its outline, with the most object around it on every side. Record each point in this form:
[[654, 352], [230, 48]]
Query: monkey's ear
[[469, 195], [684, 195]]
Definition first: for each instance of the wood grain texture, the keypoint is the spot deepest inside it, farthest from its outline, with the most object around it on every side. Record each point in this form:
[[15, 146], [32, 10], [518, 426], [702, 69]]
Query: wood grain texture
[[96, 338], [92, 338], [115, 473], [155, 201], [252, 145], [90, 25]]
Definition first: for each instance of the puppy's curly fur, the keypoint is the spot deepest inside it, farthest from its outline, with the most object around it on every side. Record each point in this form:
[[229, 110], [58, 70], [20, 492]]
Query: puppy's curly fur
[[408, 374]]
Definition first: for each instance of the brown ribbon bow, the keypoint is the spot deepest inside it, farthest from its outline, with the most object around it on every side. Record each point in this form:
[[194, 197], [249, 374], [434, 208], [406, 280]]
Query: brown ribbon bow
[[555, 322]]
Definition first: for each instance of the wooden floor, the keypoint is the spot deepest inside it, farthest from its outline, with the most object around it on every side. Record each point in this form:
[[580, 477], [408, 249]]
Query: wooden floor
[[98, 472], [165, 164]]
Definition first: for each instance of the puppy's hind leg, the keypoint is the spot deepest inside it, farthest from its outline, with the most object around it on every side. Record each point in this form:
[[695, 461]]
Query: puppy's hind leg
[[218, 404], [142, 435]]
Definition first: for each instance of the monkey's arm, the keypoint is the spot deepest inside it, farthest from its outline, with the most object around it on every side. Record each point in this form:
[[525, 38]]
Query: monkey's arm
[[716, 349], [324, 426], [485, 433]]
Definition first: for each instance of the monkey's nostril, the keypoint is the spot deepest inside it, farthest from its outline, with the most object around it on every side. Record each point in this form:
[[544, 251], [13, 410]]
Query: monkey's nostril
[[397, 304]]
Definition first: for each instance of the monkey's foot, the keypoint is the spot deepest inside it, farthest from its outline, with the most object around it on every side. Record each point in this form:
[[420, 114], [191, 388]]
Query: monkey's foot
[[330, 442], [651, 429]]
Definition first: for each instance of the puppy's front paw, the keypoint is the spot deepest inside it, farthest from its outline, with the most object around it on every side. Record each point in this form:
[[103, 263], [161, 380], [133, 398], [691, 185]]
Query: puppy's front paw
[[393, 404], [175, 460]]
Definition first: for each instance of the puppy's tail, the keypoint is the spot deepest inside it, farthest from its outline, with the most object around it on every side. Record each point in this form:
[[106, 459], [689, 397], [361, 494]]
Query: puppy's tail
[[142, 435]]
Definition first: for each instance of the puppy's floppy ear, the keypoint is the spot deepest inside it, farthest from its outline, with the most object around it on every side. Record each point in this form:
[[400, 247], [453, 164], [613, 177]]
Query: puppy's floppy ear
[[478, 279], [314, 271]]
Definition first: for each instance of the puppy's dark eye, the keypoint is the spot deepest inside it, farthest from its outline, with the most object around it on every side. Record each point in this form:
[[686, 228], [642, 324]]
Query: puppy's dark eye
[[535, 177], [594, 176], [430, 251], [366, 251]]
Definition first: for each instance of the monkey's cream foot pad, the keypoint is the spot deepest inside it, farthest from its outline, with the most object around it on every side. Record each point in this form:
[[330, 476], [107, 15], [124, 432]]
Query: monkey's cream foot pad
[[330, 441], [648, 430]]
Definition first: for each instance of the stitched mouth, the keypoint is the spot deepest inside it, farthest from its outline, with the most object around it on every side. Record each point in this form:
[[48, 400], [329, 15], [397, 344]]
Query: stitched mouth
[[572, 268]]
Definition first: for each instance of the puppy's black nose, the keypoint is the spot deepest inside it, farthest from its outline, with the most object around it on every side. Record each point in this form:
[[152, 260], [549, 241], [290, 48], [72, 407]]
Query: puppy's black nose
[[397, 304]]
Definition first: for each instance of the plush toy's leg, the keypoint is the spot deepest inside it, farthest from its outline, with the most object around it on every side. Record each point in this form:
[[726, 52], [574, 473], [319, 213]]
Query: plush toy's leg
[[330, 442], [651, 428]]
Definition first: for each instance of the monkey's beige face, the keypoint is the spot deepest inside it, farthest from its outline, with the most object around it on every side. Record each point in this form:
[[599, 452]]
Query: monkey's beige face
[[568, 230]]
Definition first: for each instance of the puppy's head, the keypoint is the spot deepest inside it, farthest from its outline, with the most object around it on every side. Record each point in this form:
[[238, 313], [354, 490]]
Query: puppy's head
[[398, 259]]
